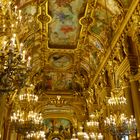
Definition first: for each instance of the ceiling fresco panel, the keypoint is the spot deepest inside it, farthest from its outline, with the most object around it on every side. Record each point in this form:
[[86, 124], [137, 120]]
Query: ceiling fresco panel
[[102, 18], [64, 28], [57, 81], [60, 61]]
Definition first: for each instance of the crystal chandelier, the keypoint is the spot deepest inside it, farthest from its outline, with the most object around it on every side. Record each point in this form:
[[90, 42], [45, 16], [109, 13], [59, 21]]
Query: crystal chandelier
[[92, 124], [117, 101], [95, 136], [27, 95], [26, 120], [120, 125], [27, 99], [81, 134], [39, 135], [93, 128], [13, 64]]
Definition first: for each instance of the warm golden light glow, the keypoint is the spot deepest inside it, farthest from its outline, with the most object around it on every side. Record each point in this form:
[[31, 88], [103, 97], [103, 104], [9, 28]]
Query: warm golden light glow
[[117, 100], [39, 135], [120, 125]]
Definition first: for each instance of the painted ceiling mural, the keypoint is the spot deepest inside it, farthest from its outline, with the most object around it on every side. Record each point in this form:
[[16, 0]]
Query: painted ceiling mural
[[61, 81], [66, 71], [55, 81], [60, 61], [64, 32], [64, 28], [125, 3], [103, 20], [58, 126]]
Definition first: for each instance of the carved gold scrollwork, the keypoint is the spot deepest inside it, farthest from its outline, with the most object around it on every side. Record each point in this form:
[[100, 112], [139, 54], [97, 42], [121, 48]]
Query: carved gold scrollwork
[[44, 18], [86, 21]]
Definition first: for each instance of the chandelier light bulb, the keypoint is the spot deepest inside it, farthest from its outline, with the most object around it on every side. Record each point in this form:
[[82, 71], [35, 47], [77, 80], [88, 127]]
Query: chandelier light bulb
[[100, 136], [36, 135], [95, 136], [117, 101]]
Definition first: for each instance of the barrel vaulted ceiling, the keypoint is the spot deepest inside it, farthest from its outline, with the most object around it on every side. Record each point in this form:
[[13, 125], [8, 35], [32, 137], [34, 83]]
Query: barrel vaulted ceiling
[[67, 40]]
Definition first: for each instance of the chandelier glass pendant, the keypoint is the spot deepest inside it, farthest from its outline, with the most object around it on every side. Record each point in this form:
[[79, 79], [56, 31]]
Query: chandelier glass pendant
[[14, 64]]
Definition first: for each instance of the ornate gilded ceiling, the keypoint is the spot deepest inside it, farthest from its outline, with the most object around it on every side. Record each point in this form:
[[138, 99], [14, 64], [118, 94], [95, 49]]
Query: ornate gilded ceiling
[[76, 28], [67, 40]]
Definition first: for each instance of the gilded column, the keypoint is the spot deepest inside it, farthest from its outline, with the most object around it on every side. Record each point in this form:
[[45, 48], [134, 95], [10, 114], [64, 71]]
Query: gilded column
[[133, 63], [130, 108], [136, 104]]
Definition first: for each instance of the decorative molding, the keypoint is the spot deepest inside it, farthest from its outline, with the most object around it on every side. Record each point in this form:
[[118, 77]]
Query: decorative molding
[[117, 36], [124, 66]]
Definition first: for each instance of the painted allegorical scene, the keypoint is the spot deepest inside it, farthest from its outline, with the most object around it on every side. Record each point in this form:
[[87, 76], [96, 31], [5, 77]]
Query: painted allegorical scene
[[59, 81], [52, 81], [60, 61], [62, 81], [64, 28], [58, 126]]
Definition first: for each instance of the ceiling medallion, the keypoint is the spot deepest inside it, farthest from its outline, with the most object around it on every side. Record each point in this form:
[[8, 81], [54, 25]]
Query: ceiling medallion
[[60, 61]]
